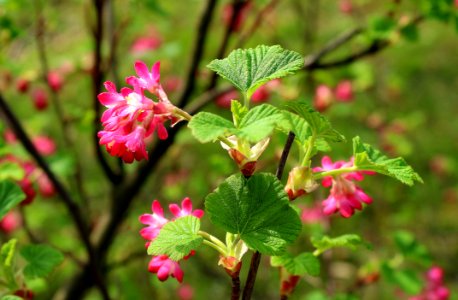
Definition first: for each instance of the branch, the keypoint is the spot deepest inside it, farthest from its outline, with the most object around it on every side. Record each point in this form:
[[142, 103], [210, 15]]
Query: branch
[[203, 28], [256, 258], [97, 77]]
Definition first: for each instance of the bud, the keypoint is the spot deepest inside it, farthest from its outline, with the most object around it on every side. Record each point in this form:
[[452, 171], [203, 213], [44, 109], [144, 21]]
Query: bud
[[22, 85], [346, 6], [344, 91], [300, 182], [245, 156], [288, 282], [55, 80]]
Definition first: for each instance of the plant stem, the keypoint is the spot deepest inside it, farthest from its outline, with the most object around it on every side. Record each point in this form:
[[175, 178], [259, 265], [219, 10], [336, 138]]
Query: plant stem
[[214, 240], [235, 287], [335, 172], [256, 258]]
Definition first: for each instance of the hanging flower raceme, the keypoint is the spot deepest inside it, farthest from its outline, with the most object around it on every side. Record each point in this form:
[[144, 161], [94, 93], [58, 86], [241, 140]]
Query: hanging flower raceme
[[345, 195], [132, 117], [435, 288], [161, 264]]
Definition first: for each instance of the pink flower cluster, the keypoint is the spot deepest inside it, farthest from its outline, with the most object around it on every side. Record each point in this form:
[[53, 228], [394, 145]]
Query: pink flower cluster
[[435, 288], [161, 264], [132, 117], [345, 195], [325, 95]]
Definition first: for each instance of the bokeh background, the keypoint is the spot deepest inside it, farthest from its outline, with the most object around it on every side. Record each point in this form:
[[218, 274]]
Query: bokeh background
[[404, 101]]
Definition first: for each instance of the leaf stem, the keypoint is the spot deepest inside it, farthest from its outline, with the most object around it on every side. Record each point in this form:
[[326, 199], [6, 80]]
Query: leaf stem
[[213, 242], [308, 153], [335, 172]]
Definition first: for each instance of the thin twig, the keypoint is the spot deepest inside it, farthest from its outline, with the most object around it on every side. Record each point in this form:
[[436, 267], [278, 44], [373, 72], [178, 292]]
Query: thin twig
[[256, 258], [198, 53], [257, 23], [235, 294]]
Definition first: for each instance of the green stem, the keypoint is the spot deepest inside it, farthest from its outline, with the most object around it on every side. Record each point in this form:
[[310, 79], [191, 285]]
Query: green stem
[[214, 240], [335, 172], [214, 246], [246, 101], [308, 153]]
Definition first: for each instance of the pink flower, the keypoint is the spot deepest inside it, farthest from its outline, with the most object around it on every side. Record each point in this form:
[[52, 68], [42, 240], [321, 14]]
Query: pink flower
[[130, 119], [40, 99], [145, 43], [323, 97], [346, 6], [165, 267], [313, 214], [154, 221], [344, 91], [44, 145], [22, 85], [224, 100], [345, 195], [260, 95], [186, 209], [228, 11], [434, 288], [45, 186], [185, 292], [456, 3], [147, 80], [28, 189], [10, 222], [55, 80]]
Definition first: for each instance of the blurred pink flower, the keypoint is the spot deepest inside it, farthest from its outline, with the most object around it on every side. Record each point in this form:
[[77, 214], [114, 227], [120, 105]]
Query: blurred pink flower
[[346, 6], [323, 97], [22, 85], [224, 100], [10, 222], [40, 98], [165, 267], [435, 288], [55, 80], [313, 214], [228, 11], [173, 83], [344, 91], [45, 186], [185, 292], [44, 145], [345, 196]]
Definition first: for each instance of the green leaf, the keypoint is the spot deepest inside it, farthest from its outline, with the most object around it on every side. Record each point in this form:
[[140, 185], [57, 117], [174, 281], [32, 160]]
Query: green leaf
[[319, 124], [410, 32], [368, 158], [10, 170], [407, 280], [247, 69], [177, 238], [259, 123], [7, 253], [411, 248], [238, 111], [207, 127], [10, 195], [256, 208], [381, 27], [304, 263], [42, 259], [11, 297], [347, 240]]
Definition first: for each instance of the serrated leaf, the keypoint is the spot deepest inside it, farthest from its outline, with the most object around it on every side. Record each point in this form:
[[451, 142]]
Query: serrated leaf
[[207, 127], [407, 280], [238, 111], [10, 195], [10, 170], [259, 123], [247, 69], [368, 158], [304, 263], [42, 259], [411, 248], [256, 208], [325, 243], [177, 238], [7, 253], [319, 124]]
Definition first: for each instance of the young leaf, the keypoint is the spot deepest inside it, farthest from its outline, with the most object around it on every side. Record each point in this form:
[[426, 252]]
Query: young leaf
[[407, 280], [42, 259], [259, 123], [256, 208], [207, 127], [247, 69], [10, 170], [10, 195], [238, 111], [411, 248], [347, 240], [319, 124], [7, 253], [368, 158], [304, 263], [177, 238]]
